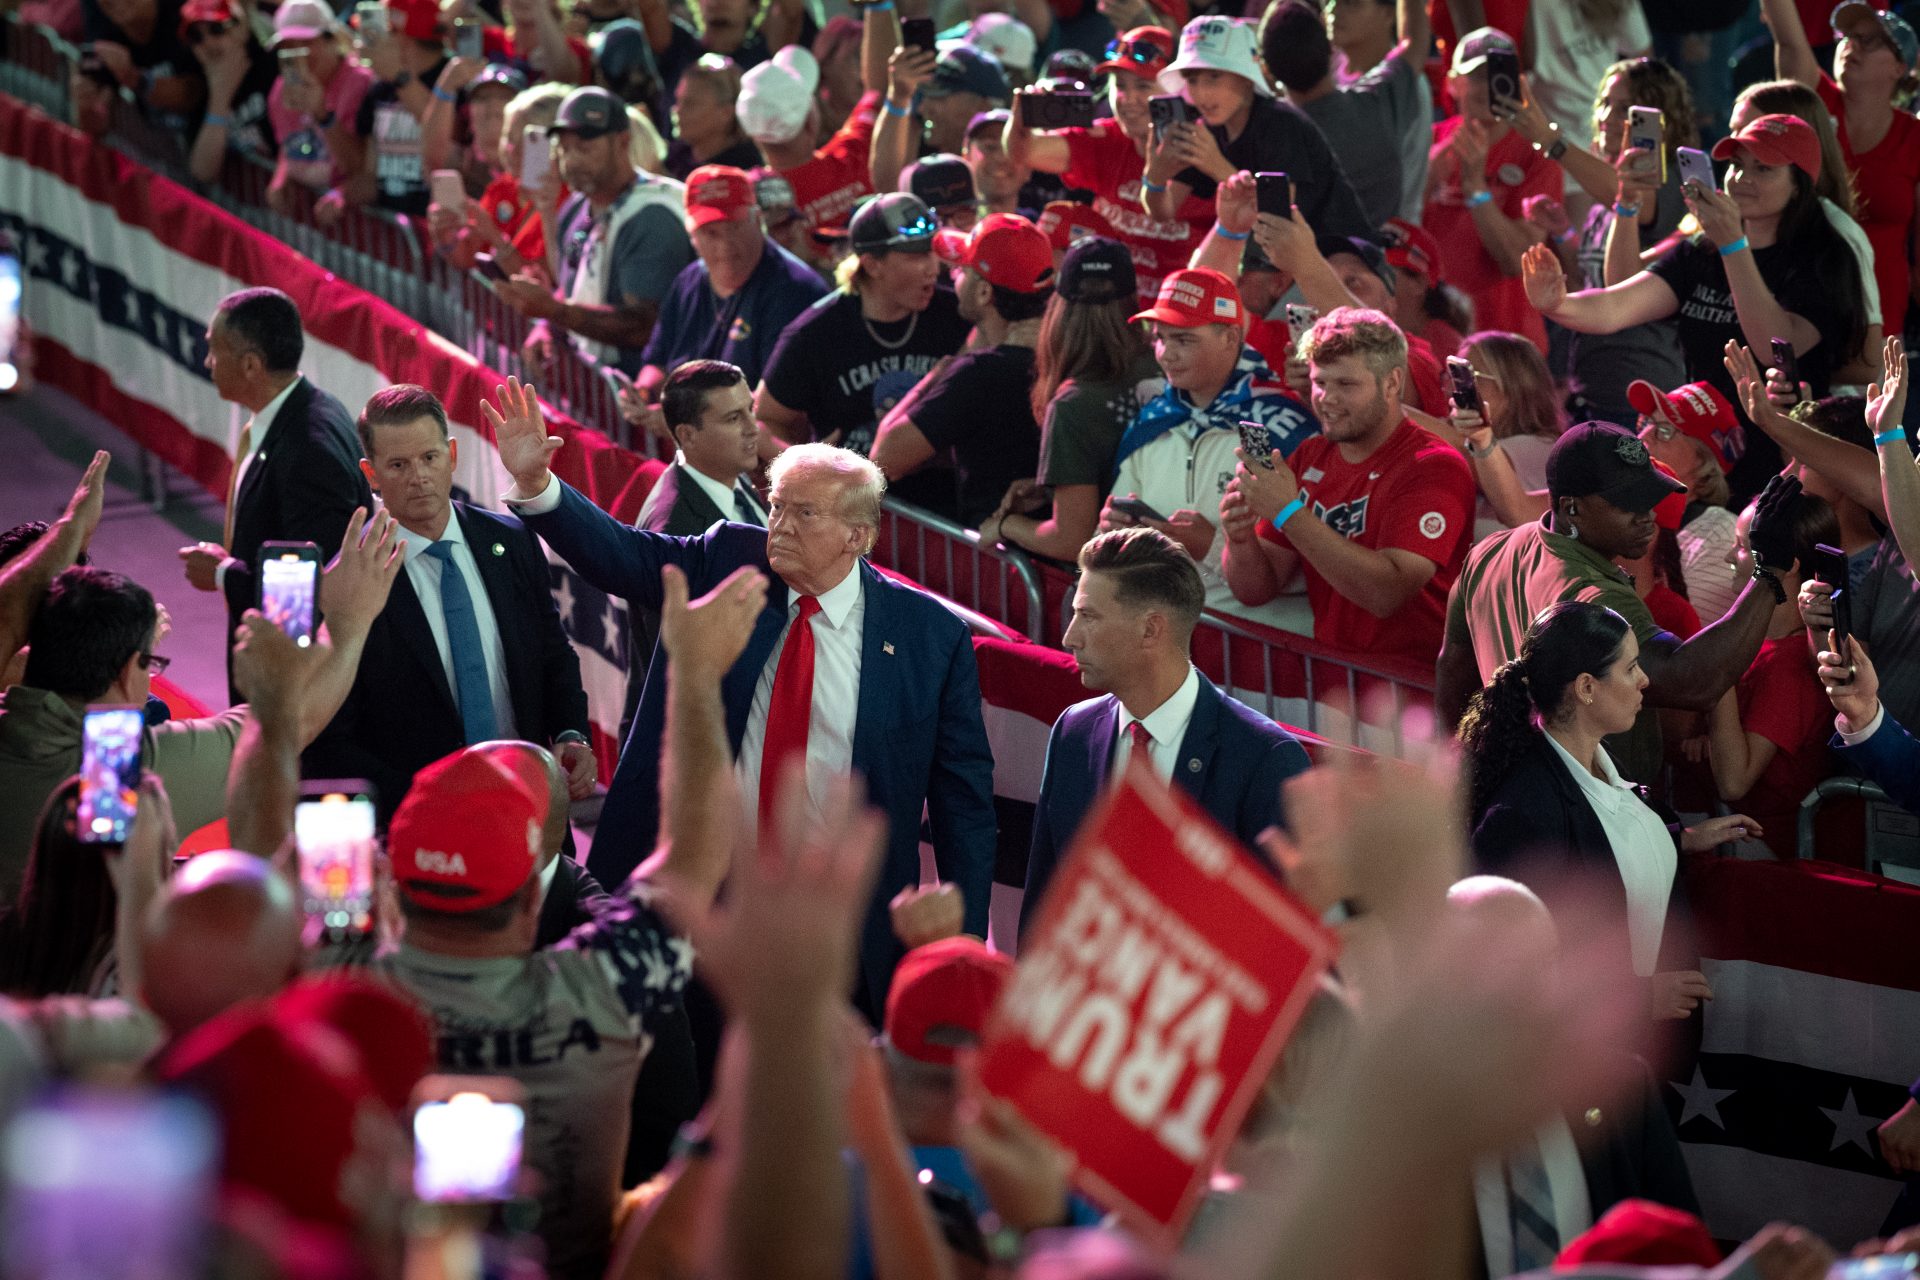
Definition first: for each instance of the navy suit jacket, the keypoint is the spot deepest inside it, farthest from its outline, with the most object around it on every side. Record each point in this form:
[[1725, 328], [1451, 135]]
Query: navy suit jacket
[[1232, 761], [401, 714], [918, 738], [1891, 758]]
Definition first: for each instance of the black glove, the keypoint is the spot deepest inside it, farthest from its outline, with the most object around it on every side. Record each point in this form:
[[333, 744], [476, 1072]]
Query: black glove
[[1771, 534]]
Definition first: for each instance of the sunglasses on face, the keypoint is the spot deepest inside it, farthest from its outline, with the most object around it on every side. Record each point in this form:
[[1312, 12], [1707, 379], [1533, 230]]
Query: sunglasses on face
[[1143, 52]]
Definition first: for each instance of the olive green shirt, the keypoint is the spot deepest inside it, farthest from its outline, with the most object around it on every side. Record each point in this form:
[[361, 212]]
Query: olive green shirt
[[1511, 576]]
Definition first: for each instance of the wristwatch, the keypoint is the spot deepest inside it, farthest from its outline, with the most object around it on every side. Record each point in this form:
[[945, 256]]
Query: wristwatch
[[1761, 573], [1487, 452], [1555, 149]]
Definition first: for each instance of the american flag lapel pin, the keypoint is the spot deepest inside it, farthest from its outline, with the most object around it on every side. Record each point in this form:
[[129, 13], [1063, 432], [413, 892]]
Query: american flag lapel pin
[[499, 550], [886, 646]]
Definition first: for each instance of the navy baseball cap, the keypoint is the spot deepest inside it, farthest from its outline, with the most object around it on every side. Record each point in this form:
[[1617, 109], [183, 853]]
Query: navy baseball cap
[[965, 69], [1366, 250], [894, 222], [591, 112], [1097, 269], [939, 180]]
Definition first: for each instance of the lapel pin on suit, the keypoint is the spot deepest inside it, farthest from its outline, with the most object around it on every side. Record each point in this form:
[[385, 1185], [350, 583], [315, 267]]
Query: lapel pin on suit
[[1193, 765], [499, 550], [886, 646]]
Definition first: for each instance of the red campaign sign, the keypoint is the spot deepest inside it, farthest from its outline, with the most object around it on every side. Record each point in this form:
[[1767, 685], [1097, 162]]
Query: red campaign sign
[[1153, 996]]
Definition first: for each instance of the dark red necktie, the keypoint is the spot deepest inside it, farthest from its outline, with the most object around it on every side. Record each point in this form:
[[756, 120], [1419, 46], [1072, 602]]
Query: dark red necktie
[[1142, 742], [790, 711]]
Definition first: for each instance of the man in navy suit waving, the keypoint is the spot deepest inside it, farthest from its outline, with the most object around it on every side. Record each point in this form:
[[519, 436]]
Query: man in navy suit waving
[[1134, 611], [846, 670]]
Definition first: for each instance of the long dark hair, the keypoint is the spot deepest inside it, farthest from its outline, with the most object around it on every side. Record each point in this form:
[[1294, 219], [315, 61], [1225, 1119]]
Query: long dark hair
[[1568, 640], [1824, 254], [62, 926]]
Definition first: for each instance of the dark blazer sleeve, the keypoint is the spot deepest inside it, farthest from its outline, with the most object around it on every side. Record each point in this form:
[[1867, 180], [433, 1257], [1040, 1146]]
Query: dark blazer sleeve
[[1890, 758], [1278, 756], [563, 699], [1515, 828], [960, 792], [1043, 855], [618, 559]]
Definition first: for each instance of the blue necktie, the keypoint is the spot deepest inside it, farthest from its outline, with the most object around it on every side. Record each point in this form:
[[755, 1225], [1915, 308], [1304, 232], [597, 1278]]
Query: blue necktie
[[1536, 1238], [463, 641]]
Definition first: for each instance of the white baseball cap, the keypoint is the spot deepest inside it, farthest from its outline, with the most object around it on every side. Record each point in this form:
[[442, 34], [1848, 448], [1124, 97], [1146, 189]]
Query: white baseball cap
[[1006, 38], [774, 102], [302, 20], [1218, 44], [802, 64]]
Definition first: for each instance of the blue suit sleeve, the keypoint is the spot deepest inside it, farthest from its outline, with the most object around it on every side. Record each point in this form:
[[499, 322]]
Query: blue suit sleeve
[[617, 558], [1891, 759], [1282, 758], [960, 793], [1044, 853]]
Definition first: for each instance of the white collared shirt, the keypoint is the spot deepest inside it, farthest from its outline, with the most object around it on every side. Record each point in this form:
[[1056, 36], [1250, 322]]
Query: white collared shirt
[[1566, 1182], [837, 631], [1166, 723], [721, 495], [424, 571], [1642, 849], [259, 427]]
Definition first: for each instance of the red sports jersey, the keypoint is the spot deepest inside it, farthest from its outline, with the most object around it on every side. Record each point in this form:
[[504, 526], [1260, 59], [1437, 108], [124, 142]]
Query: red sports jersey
[[826, 187], [1514, 171], [1414, 494], [1103, 160]]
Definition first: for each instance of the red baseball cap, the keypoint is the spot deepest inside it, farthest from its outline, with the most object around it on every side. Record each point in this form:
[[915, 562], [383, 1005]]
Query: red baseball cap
[[1671, 511], [1065, 223], [1195, 296], [1413, 248], [1697, 410], [415, 19], [1642, 1233], [1007, 250], [716, 192], [1145, 51], [941, 996], [205, 11], [1776, 139], [467, 836]]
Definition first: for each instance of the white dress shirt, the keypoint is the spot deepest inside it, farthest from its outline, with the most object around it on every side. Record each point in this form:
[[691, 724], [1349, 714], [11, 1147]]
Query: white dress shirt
[[1642, 849], [257, 428], [424, 571], [1566, 1181], [723, 496], [837, 631], [1166, 723]]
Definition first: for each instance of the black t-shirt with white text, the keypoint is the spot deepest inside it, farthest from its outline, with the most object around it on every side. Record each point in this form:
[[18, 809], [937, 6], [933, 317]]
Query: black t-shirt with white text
[[249, 132], [394, 134], [981, 411], [1281, 138], [845, 372]]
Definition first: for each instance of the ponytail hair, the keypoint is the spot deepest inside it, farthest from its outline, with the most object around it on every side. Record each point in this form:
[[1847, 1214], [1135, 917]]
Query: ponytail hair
[[1566, 641]]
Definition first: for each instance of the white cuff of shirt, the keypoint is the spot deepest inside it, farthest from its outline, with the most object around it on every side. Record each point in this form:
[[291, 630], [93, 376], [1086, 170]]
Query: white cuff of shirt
[[541, 503], [1859, 736], [220, 574]]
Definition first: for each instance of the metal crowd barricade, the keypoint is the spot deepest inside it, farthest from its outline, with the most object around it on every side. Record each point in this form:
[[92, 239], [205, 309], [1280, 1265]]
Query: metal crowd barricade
[[36, 65], [1000, 582]]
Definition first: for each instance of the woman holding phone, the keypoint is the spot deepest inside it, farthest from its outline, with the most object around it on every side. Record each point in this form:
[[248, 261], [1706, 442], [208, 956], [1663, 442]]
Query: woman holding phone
[[1766, 263]]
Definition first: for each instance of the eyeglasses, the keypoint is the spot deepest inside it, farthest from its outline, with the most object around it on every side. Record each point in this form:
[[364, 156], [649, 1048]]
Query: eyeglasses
[[155, 663]]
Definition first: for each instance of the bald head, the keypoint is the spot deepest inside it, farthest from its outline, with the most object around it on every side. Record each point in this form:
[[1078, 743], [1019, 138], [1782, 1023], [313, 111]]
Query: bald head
[[536, 766], [1507, 912], [226, 930]]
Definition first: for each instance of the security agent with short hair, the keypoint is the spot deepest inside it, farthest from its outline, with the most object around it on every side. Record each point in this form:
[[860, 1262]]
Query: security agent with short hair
[[1134, 610], [1603, 488], [619, 238], [295, 474], [470, 646]]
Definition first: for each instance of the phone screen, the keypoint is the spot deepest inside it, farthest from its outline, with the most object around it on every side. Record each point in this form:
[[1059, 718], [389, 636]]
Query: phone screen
[[467, 41], [1274, 193], [467, 1148], [448, 191], [1466, 392], [9, 321], [286, 593], [151, 1158], [333, 830], [1257, 442], [918, 33], [109, 774], [536, 157], [1503, 80], [1785, 361]]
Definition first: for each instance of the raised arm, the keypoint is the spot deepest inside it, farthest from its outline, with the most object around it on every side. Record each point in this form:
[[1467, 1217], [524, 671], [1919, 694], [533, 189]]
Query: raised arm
[[1899, 473], [894, 136], [1853, 470], [353, 591], [1792, 52], [1761, 316], [25, 580], [879, 37], [263, 783], [1644, 298], [1505, 239], [1042, 152]]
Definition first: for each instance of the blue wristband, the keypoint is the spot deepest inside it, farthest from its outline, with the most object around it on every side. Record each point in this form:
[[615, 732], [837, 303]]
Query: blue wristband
[[1225, 234], [1154, 187], [218, 121], [899, 113], [1727, 251], [1291, 510], [1478, 198], [443, 96], [1625, 210], [1889, 436], [883, 6]]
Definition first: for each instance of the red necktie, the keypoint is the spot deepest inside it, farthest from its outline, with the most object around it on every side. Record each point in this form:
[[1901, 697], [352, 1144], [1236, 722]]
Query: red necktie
[[790, 711], [1142, 741]]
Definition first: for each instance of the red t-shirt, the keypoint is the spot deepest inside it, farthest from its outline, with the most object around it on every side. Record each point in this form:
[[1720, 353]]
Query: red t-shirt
[[517, 219], [1672, 611], [1414, 494], [1426, 392], [1781, 700], [1103, 160], [520, 48], [1884, 179], [1514, 172], [826, 187]]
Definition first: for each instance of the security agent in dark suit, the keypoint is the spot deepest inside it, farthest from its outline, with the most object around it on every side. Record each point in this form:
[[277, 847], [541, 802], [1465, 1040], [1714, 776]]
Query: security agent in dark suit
[[295, 476], [1134, 611], [469, 647], [895, 694]]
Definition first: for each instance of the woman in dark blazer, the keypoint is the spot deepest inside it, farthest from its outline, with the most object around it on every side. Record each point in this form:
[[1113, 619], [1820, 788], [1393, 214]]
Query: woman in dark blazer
[[1545, 792]]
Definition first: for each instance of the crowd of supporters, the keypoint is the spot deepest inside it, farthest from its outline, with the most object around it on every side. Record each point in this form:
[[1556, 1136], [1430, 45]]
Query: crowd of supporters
[[1481, 340]]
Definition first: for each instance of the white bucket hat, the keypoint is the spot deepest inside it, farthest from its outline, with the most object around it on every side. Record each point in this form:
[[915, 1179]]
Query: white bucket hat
[[1218, 44], [773, 103]]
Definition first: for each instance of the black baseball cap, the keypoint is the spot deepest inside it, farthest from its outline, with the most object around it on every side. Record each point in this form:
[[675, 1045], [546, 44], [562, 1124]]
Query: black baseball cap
[[1601, 460], [894, 222], [1097, 269], [1366, 250], [1069, 64], [591, 112], [965, 69], [939, 180]]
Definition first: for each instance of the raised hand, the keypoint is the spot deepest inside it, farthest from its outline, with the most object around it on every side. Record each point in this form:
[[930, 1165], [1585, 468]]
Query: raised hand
[[354, 588], [1887, 399], [707, 635], [520, 435], [1545, 280], [1236, 202], [929, 913], [1748, 384], [1852, 685]]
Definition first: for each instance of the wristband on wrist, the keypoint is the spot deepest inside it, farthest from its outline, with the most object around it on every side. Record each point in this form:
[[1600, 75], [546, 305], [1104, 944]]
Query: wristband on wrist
[[883, 6], [1225, 234], [1727, 251], [1492, 448], [1625, 210], [441, 95], [1479, 198], [899, 113], [1890, 436], [1155, 187], [1763, 574], [215, 120], [1291, 510]]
